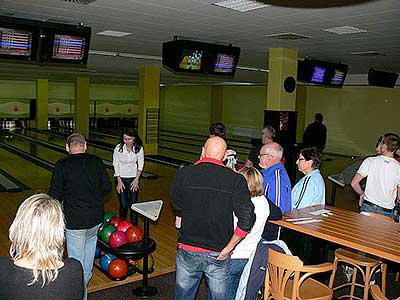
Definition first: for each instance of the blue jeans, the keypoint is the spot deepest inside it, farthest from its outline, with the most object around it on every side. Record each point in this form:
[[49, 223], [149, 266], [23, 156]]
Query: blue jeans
[[369, 208], [81, 245], [190, 267], [237, 266], [126, 198]]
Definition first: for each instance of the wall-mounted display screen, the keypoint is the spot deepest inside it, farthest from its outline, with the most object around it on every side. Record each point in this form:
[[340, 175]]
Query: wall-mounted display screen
[[338, 77], [318, 74], [322, 72], [225, 63], [15, 42], [191, 59], [68, 47]]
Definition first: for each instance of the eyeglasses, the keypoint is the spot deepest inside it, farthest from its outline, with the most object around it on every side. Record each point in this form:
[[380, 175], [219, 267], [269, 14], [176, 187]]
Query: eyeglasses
[[261, 154], [300, 158]]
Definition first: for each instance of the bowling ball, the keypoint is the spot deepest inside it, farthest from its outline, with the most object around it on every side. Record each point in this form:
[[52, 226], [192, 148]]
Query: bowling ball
[[118, 268], [105, 261], [114, 221], [97, 253], [150, 264], [134, 234], [118, 238], [124, 225], [106, 232], [108, 216]]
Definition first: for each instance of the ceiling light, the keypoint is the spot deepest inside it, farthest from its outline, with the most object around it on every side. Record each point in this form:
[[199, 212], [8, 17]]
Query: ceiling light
[[345, 30], [368, 53], [114, 33], [241, 5]]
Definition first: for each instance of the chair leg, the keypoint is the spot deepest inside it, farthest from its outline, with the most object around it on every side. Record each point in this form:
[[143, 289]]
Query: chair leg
[[383, 274], [366, 283], [332, 279], [353, 283], [397, 276]]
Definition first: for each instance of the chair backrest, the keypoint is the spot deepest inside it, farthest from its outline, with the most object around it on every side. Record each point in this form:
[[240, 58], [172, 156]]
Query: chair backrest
[[377, 293], [280, 269], [375, 215]]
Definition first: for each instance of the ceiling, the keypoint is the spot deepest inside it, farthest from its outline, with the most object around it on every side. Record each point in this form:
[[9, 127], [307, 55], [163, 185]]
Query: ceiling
[[152, 22]]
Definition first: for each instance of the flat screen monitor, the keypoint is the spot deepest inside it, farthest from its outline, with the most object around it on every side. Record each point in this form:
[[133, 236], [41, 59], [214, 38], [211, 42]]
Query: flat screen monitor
[[69, 47], [338, 77], [318, 74], [191, 59], [225, 63], [16, 43]]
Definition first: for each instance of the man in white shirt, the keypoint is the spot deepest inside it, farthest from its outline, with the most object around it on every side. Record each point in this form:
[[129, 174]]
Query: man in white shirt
[[382, 189]]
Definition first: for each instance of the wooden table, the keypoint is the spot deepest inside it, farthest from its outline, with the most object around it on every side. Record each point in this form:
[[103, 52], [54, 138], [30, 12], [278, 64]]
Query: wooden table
[[348, 228]]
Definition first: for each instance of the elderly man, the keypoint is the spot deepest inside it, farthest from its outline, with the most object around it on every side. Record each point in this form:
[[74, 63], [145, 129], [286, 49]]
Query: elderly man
[[206, 195], [267, 136]]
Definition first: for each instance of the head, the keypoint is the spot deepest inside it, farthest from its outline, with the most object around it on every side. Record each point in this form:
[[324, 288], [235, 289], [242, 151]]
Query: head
[[390, 144], [131, 139], [217, 129], [268, 134], [255, 181], [37, 236], [270, 154], [76, 143], [309, 160], [318, 117], [215, 147]]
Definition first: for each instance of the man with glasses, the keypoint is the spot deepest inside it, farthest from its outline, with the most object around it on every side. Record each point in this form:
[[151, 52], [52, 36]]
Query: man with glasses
[[267, 136]]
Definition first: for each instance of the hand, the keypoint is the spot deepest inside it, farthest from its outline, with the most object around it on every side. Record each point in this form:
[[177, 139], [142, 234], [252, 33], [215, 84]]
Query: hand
[[134, 185], [120, 186], [361, 200], [224, 254]]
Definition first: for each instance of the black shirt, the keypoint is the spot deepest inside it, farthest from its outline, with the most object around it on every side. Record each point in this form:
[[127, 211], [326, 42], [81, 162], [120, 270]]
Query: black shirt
[[315, 136], [80, 182], [253, 156], [14, 282]]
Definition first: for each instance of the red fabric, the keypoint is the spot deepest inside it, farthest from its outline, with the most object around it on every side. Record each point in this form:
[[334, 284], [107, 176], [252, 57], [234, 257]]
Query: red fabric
[[210, 160], [240, 232], [398, 159], [193, 248]]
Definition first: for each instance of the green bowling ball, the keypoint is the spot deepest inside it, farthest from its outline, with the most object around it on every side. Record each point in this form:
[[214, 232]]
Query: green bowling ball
[[108, 216], [106, 232]]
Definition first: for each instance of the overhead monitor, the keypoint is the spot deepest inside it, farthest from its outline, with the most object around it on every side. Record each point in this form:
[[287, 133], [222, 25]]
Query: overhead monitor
[[338, 77], [69, 47], [322, 72], [191, 59], [318, 75], [17, 43]]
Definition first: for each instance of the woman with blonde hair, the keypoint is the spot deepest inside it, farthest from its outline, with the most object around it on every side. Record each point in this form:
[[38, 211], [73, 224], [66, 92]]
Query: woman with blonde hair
[[36, 268]]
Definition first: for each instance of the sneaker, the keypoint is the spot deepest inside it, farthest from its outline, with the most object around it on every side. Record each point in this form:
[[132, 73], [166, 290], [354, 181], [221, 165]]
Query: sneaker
[[347, 272]]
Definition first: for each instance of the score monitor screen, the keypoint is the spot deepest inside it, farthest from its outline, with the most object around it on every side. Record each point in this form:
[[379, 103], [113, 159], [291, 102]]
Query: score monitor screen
[[191, 60], [318, 75], [224, 63], [14, 42], [68, 47], [338, 77]]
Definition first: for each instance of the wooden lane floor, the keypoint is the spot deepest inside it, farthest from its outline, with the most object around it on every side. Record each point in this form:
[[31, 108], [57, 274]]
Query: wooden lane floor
[[163, 232]]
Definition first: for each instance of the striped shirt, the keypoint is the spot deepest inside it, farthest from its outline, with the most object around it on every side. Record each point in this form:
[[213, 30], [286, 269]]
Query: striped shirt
[[309, 191]]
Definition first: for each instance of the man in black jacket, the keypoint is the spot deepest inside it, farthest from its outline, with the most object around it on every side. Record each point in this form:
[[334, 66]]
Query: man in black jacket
[[206, 195], [80, 181]]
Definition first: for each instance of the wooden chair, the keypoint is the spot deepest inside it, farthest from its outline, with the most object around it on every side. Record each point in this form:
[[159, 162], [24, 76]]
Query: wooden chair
[[366, 265], [377, 293], [288, 279]]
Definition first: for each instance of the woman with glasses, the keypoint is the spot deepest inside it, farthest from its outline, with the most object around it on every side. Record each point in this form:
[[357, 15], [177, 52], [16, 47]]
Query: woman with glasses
[[128, 162], [310, 190]]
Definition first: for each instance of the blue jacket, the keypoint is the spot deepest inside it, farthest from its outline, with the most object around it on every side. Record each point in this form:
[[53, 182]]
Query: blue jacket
[[309, 191], [277, 186]]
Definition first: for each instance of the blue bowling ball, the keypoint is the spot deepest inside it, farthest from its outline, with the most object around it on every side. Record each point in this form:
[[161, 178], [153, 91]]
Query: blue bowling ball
[[97, 253], [105, 261]]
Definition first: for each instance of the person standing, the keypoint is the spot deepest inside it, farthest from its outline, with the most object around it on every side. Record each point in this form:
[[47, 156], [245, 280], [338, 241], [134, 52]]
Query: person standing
[[219, 129], [206, 195], [267, 137], [80, 181], [315, 134], [128, 162]]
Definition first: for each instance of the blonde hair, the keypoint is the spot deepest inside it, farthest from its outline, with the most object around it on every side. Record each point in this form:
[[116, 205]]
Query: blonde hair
[[255, 180], [37, 236]]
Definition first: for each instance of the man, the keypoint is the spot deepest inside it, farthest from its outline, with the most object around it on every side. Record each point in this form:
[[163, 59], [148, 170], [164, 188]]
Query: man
[[219, 129], [267, 136], [80, 182], [383, 179], [315, 134], [206, 195]]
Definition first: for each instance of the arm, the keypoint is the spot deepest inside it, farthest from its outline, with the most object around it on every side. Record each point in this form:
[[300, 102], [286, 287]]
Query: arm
[[226, 252], [116, 163], [248, 163], [275, 212], [140, 163], [398, 193], [242, 205], [106, 185], [176, 195], [57, 184], [355, 184]]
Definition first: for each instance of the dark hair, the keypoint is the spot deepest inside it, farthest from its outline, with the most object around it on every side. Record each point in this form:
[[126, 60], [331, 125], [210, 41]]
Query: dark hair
[[138, 144], [76, 139], [319, 117], [218, 129], [392, 142], [313, 154]]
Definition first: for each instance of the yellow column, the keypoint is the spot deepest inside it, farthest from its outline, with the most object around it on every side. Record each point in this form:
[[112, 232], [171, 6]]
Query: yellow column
[[282, 65], [42, 103], [82, 100], [216, 104], [149, 107]]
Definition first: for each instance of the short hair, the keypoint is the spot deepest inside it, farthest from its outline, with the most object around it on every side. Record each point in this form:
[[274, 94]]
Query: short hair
[[255, 181], [37, 235], [319, 117], [392, 142], [269, 132], [275, 150], [76, 139], [217, 129], [313, 154]]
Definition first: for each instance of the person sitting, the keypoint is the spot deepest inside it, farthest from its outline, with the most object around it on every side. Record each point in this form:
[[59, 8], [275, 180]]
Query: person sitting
[[310, 190], [267, 137], [36, 268]]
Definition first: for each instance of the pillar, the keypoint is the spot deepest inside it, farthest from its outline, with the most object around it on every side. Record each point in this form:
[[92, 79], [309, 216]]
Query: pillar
[[42, 103]]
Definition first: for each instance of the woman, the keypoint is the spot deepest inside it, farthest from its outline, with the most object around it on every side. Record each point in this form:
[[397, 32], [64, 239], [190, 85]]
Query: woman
[[246, 247], [128, 161], [36, 269], [310, 190]]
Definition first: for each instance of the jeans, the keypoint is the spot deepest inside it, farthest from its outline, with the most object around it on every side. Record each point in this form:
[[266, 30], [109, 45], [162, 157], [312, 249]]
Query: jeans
[[126, 198], [369, 208], [81, 245], [190, 267], [237, 266]]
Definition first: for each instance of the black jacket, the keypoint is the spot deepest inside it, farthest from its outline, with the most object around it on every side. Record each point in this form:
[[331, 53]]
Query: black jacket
[[80, 182], [206, 195]]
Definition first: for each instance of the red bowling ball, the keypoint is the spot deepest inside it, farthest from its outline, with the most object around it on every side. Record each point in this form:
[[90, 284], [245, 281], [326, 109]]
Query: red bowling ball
[[118, 268], [124, 225], [118, 238], [114, 221], [134, 234]]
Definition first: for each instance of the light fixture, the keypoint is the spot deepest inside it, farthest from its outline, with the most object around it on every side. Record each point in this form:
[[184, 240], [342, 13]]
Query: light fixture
[[241, 5], [113, 33], [345, 30]]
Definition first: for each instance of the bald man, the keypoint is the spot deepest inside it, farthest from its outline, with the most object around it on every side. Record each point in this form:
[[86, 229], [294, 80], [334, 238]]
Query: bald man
[[206, 195]]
